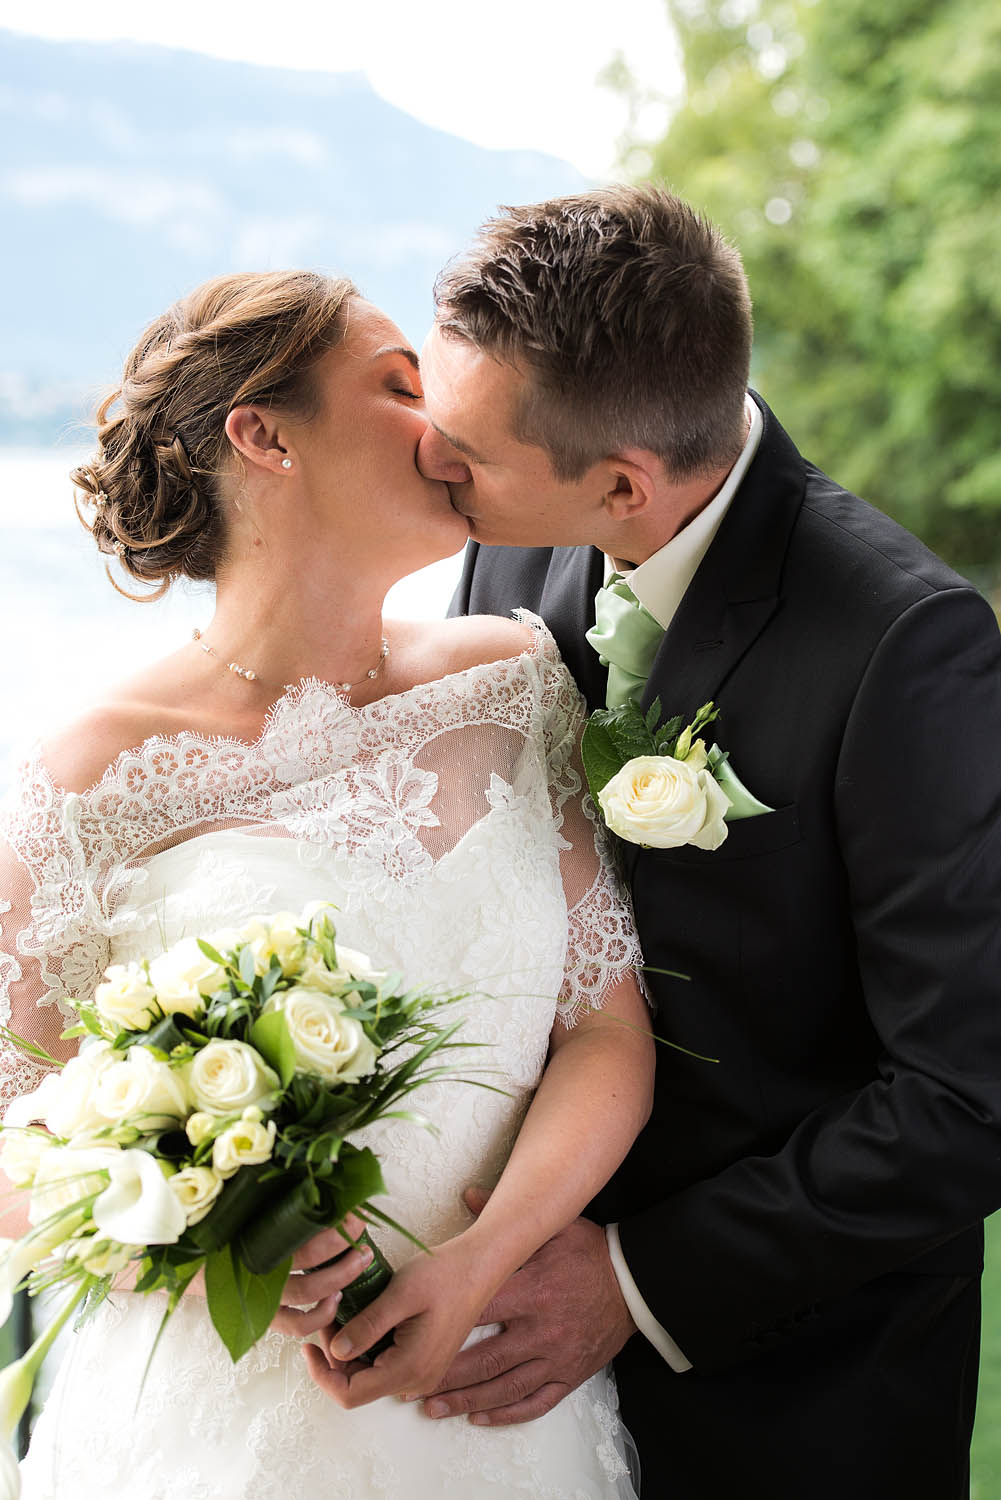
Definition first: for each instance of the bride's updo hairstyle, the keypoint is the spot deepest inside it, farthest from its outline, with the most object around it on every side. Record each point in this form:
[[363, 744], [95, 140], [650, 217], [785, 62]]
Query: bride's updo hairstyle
[[151, 492]]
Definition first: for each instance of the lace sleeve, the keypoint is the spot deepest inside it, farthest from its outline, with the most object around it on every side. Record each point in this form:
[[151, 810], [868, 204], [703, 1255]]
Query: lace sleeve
[[602, 945], [51, 939]]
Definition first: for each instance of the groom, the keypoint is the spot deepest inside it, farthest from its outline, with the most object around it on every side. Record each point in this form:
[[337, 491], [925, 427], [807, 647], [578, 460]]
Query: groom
[[787, 1266]]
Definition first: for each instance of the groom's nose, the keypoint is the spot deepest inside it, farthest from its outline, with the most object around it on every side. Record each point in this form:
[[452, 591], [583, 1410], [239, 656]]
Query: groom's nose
[[437, 459]]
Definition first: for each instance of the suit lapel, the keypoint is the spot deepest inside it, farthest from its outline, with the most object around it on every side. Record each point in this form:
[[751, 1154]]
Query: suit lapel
[[735, 592], [567, 605]]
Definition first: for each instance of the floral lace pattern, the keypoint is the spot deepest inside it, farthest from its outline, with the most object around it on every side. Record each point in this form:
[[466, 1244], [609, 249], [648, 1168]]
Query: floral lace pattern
[[448, 826]]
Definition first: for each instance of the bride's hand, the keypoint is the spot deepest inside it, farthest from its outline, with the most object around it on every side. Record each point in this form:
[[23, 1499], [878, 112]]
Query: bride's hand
[[432, 1304], [313, 1290]]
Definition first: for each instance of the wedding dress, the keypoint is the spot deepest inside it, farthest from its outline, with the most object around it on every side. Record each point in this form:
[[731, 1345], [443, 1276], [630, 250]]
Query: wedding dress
[[448, 826]]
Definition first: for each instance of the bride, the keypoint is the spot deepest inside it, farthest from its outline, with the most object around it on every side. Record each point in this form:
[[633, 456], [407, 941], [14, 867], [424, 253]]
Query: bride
[[423, 777]]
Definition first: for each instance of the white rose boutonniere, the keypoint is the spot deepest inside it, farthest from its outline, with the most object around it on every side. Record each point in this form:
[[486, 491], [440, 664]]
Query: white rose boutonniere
[[661, 788], [662, 802]]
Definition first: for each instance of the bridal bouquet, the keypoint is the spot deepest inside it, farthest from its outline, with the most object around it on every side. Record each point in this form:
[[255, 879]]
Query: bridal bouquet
[[207, 1122]]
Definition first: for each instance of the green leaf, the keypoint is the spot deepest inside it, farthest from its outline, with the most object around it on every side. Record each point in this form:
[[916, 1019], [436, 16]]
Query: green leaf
[[248, 965], [244, 1197], [271, 980], [241, 1305], [667, 734], [358, 1178], [270, 1239], [165, 1035], [601, 758], [270, 1035], [213, 953], [629, 732]]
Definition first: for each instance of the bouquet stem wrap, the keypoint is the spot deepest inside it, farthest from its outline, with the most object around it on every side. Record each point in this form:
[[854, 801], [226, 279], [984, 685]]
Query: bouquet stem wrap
[[364, 1289]]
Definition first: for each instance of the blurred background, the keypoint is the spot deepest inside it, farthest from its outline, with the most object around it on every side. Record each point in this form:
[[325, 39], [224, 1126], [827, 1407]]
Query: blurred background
[[850, 150]]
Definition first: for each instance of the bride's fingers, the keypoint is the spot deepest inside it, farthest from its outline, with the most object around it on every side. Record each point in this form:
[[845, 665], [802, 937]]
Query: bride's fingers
[[301, 1322], [330, 1378], [327, 1244], [306, 1287]]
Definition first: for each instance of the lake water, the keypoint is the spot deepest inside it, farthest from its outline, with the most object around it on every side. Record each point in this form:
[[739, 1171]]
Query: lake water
[[66, 633]]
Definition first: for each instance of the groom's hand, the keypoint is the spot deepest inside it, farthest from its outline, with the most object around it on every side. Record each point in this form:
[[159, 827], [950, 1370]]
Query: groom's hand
[[563, 1318]]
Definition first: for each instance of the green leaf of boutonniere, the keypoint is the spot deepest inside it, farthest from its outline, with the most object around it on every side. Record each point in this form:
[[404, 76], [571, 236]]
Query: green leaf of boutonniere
[[600, 757], [613, 736]]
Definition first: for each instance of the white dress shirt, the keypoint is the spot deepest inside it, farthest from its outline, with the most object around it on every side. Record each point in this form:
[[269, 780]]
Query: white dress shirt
[[660, 584]]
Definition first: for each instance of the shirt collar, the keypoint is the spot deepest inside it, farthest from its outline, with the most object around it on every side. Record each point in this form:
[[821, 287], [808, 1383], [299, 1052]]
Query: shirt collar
[[661, 581]]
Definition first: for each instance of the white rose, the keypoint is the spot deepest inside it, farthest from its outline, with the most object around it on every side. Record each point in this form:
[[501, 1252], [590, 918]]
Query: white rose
[[242, 1145], [663, 803], [65, 1100], [196, 1189], [183, 977], [126, 998], [137, 1207], [356, 965], [20, 1152], [143, 1090], [276, 936], [326, 1042], [226, 1076]]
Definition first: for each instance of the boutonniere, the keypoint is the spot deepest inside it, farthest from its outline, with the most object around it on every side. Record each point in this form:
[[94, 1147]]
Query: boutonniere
[[660, 787]]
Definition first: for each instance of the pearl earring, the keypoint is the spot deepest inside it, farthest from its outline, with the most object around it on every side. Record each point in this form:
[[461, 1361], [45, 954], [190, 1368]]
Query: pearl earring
[[286, 463]]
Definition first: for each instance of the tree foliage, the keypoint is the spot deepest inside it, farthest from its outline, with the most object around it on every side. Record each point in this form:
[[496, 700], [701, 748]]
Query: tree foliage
[[851, 152]]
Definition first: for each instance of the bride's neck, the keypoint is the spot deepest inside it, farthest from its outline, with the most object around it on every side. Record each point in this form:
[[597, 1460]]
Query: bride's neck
[[284, 624]]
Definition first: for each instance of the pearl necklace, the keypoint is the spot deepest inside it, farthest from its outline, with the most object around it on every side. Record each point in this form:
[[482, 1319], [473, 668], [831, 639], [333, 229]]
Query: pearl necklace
[[249, 675]]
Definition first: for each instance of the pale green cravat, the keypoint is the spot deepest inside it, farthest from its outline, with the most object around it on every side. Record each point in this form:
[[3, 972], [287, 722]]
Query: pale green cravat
[[626, 637]]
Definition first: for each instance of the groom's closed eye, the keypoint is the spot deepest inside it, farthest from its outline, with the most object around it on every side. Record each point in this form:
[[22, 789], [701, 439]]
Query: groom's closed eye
[[458, 445]]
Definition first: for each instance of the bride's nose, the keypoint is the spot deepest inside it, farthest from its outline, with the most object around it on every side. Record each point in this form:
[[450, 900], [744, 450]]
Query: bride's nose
[[437, 459]]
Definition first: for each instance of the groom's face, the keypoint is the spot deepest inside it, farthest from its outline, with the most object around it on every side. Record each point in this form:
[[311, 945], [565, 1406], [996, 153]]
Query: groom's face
[[504, 487]]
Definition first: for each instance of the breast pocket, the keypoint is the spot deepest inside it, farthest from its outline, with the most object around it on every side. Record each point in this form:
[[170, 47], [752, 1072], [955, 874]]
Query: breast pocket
[[764, 834]]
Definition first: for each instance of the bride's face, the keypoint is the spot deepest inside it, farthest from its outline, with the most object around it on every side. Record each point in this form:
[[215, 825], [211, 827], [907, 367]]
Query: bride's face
[[356, 458]]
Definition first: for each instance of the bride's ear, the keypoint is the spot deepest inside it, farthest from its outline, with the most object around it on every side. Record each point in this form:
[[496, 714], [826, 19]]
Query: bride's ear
[[253, 432]]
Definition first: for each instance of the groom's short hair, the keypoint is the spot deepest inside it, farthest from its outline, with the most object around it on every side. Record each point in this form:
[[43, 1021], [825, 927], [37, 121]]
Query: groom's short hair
[[630, 314]]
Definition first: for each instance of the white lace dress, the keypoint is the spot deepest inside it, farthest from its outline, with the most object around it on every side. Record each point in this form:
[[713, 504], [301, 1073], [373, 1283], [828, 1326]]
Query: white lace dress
[[448, 826]]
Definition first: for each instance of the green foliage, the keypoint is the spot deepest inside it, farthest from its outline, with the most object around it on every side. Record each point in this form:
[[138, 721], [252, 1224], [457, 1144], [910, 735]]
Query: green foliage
[[614, 736], [850, 150], [241, 1305]]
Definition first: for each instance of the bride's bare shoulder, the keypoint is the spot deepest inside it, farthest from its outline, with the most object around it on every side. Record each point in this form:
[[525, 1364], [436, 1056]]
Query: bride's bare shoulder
[[473, 640], [77, 754]]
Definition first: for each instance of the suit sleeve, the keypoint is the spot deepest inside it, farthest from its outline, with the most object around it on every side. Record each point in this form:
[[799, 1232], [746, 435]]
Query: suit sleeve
[[876, 1177]]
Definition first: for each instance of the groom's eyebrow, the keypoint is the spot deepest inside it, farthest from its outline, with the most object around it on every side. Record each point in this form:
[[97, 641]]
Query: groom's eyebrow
[[457, 443]]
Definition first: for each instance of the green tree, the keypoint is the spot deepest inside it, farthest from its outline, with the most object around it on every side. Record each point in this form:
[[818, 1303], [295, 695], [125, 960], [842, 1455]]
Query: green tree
[[851, 151]]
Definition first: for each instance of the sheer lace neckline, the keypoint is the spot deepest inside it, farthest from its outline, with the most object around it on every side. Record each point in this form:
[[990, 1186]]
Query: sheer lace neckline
[[290, 700]]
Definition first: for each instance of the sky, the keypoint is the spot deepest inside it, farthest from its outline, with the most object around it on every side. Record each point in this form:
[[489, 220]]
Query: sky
[[522, 74]]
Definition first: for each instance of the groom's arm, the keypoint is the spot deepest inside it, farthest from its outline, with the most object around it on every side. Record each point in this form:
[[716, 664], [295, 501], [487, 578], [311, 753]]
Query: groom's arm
[[878, 1177], [881, 1175]]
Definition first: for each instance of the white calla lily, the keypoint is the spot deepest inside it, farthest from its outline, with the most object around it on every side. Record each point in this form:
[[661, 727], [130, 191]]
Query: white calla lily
[[137, 1207]]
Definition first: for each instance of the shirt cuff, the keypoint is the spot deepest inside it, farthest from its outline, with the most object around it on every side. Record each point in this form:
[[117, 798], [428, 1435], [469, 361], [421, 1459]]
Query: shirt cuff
[[639, 1312]]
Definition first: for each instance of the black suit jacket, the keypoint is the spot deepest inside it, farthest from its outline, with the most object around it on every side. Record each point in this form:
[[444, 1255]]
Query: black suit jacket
[[844, 951]]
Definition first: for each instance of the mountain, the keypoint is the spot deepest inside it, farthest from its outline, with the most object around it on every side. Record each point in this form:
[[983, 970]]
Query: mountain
[[128, 174]]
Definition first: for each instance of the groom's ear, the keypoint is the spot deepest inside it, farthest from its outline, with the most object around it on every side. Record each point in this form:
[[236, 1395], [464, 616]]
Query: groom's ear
[[632, 483], [253, 432]]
